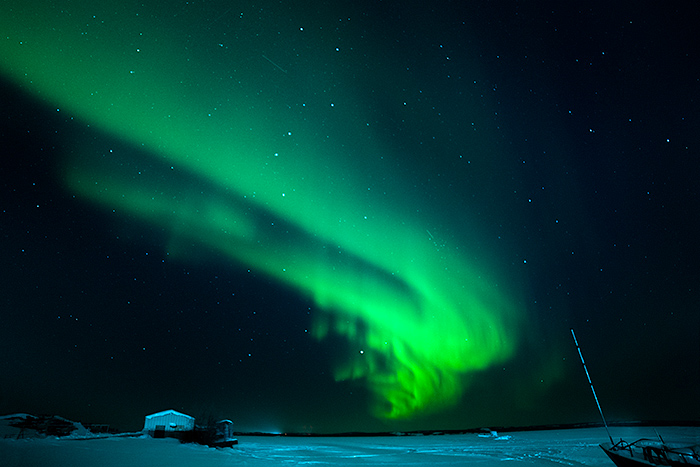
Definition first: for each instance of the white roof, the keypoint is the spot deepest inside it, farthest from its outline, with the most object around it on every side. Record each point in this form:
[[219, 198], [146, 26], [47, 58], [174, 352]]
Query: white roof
[[168, 412]]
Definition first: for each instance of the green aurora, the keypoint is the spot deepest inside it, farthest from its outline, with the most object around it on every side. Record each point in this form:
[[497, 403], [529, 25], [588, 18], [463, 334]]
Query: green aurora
[[274, 170]]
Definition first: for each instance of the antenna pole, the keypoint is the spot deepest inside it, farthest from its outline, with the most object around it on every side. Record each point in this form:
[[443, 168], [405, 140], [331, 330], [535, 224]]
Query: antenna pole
[[592, 388]]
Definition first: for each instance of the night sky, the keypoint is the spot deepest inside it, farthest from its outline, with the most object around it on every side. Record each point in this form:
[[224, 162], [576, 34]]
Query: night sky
[[350, 216]]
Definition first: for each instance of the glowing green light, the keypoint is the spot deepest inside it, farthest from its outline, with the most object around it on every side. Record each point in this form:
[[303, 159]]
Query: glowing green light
[[256, 180]]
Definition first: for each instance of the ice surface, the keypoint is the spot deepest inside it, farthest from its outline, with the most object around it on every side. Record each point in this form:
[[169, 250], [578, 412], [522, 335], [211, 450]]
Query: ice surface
[[535, 448]]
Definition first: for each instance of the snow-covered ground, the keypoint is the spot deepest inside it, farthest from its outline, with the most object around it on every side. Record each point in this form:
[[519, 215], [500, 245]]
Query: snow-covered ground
[[577, 447]]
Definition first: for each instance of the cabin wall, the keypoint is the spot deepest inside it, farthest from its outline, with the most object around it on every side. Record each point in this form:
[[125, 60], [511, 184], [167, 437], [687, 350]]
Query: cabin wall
[[168, 422]]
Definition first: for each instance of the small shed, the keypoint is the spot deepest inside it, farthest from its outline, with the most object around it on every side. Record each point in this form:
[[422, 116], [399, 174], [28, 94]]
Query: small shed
[[224, 429], [224, 435], [167, 422]]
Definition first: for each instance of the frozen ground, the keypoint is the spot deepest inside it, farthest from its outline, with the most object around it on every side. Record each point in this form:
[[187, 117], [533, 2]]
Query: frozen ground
[[535, 448]]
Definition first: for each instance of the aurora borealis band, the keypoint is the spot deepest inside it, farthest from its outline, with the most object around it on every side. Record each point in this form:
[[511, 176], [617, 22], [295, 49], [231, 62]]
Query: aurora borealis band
[[347, 216], [262, 181]]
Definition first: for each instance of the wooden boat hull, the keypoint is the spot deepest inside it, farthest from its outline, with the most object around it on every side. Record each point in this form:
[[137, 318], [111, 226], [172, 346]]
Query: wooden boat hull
[[650, 453], [626, 458]]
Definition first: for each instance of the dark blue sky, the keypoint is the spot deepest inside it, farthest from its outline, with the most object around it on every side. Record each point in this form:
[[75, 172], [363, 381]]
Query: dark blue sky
[[557, 144]]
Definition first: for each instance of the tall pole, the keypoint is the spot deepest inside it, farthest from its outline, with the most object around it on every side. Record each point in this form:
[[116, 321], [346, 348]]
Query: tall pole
[[612, 443]]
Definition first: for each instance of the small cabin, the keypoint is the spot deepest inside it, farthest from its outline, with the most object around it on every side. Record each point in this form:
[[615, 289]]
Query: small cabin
[[224, 435], [168, 423], [224, 429]]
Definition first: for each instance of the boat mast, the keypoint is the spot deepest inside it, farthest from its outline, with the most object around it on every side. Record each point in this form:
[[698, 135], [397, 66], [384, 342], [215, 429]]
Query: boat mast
[[612, 443]]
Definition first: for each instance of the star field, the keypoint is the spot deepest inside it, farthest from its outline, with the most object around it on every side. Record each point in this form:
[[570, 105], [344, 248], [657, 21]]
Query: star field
[[349, 217]]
